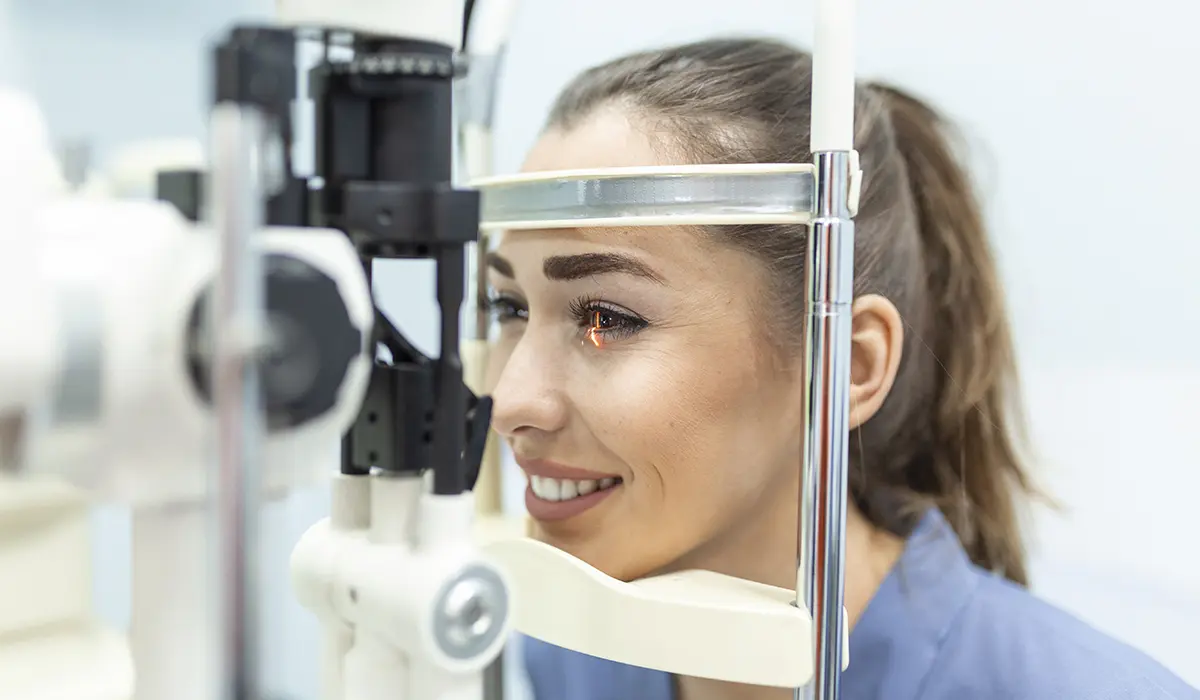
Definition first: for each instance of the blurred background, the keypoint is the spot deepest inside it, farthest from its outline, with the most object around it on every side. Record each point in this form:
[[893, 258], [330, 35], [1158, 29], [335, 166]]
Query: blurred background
[[1083, 119]]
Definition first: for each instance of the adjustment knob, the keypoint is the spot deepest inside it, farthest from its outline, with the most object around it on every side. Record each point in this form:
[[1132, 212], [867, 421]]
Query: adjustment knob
[[310, 345]]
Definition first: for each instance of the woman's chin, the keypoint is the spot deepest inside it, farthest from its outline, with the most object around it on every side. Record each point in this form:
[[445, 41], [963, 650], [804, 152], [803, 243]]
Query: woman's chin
[[602, 554]]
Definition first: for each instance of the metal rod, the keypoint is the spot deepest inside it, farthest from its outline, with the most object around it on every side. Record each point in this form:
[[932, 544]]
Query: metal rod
[[829, 288], [829, 274], [493, 679], [238, 135], [170, 627]]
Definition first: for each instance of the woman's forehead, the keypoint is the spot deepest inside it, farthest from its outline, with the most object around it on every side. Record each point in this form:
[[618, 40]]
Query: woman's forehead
[[604, 139]]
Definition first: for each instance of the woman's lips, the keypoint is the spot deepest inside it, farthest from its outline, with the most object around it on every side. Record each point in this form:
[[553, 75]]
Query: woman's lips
[[558, 492]]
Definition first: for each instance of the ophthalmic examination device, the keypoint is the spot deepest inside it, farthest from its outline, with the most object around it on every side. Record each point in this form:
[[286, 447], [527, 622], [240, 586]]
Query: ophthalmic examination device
[[195, 356]]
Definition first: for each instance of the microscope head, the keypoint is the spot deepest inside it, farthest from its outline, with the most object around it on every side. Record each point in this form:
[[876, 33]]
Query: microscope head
[[110, 374], [133, 418]]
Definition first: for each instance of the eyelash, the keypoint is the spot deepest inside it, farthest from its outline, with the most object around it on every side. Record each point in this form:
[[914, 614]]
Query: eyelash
[[588, 312], [598, 320], [502, 308]]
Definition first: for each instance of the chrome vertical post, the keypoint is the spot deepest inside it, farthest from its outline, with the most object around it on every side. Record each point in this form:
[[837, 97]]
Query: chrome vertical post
[[238, 136], [829, 271]]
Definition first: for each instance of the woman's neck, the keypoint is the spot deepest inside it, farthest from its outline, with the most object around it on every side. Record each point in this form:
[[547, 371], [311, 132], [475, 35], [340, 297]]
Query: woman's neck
[[763, 550]]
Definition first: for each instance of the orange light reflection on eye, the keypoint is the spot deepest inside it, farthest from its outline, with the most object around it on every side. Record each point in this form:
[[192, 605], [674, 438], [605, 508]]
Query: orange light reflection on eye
[[594, 332]]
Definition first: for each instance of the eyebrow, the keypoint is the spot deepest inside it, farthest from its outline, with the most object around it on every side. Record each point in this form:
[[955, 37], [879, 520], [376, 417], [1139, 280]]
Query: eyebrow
[[564, 268], [500, 264]]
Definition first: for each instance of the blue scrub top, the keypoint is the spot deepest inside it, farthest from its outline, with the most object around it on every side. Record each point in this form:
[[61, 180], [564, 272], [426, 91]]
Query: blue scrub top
[[939, 628]]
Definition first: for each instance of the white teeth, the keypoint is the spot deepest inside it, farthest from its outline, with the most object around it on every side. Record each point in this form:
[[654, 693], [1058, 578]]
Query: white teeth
[[543, 488], [549, 489]]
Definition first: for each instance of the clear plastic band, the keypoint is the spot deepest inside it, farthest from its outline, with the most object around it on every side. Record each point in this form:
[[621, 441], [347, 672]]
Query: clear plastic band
[[653, 196]]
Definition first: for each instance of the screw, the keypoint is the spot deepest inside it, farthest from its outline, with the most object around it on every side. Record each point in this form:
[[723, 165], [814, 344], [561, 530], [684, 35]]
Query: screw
[[468, 613]]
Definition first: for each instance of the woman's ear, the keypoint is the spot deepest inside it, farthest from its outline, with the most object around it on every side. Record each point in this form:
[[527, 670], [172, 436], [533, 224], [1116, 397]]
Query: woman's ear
[[877, 339]]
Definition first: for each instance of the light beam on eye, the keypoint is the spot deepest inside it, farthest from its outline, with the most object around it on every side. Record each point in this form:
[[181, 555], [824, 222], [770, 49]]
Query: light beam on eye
[[595, 332]]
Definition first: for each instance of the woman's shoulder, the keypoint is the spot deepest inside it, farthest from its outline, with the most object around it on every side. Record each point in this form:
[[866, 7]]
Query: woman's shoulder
[[1002, 642], [1007, 642], [560, 674]]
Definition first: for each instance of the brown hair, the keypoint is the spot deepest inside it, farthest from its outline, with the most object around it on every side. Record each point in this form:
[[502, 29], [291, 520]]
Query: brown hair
[[946, 435]]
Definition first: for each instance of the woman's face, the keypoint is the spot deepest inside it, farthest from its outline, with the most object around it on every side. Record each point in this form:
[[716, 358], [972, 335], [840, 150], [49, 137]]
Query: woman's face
[[632, 381]]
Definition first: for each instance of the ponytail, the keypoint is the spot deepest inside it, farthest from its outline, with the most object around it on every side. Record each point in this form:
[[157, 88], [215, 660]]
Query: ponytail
[[977, 472]]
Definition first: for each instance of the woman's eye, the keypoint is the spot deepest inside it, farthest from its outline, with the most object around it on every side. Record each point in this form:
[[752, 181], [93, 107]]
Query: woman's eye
[[598, 321], [503, 309], [603, 320], [601, 323]]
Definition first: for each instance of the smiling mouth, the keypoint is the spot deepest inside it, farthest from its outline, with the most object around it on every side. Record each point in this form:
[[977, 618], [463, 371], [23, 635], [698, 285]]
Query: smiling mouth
[[556, 490]]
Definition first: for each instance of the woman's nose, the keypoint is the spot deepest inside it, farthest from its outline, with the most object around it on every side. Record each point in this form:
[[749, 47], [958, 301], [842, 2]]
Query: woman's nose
[[528, 395]]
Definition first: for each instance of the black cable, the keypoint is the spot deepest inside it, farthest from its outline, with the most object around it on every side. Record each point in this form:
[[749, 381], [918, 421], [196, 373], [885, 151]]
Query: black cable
[[467, 14]]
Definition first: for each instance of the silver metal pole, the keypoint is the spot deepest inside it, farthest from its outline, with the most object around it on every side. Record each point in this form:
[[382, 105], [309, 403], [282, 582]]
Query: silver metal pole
[[238, 322], [493, 679], [829, 276]]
